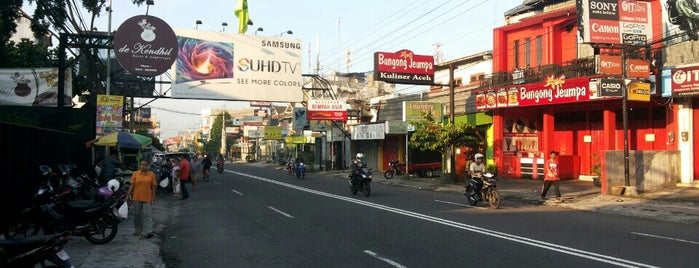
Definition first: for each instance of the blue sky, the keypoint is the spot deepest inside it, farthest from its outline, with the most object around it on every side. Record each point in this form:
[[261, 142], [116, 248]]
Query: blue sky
[[463, 27]]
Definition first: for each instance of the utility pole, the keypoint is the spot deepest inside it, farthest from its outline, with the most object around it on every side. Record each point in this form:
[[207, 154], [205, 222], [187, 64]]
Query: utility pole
[[223, 132], [452, 150]]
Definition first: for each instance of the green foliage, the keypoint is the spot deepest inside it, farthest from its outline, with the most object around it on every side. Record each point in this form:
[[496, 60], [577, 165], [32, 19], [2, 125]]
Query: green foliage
[[429, 135], [214, 143], [492, 168], [156, 142], [596, 165]]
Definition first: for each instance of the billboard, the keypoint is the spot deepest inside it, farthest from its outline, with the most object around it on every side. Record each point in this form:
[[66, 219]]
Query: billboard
[[627, 22], [33, 87], [678, 18], [404, 67], [228, 66]]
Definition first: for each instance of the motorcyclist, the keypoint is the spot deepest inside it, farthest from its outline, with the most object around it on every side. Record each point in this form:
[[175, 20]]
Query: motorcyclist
[[476, 170], [357, 165]]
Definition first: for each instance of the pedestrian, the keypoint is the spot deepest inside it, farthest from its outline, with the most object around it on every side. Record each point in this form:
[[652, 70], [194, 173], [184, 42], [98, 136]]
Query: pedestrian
[[196, 172], [109, 166], [174, 174], [184, 173], [206, 165], [141, 196], [551, 176]]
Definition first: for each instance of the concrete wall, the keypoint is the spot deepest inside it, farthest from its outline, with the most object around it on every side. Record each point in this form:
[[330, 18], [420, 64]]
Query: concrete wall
[[648, 170]]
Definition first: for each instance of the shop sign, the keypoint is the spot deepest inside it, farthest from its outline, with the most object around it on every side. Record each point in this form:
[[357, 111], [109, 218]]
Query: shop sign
[[260, 103], [404, 67], [320, 125], [555, 90], [610, 65], [639, 91], [232, 130], [295, 139], [250, 120], [413, 110], [627, 22], [253, 132], [273, 133], [636, 68], [145, 45], [327, 110], [685, 81], [611, 88], [368, 132], [398, 127]]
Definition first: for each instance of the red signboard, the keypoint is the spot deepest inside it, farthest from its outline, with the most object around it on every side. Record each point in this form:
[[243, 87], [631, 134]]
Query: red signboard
[[326, 115], [555, 90], [685, 81], [610, 65], [636, 68], [404, 67]]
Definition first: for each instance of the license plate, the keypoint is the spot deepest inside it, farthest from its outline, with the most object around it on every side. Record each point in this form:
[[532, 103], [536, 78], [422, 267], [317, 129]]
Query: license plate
[[63, 255]]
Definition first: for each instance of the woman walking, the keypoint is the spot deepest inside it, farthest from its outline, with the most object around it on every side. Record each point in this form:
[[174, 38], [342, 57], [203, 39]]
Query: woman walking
[[141, 195]]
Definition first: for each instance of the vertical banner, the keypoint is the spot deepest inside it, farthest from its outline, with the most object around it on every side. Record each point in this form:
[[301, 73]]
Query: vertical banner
[[110, 110]]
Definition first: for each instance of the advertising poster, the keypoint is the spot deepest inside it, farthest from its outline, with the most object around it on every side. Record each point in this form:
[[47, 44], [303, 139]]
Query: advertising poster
[[110, 114], [33, 87], [229, 66], [627, 22]]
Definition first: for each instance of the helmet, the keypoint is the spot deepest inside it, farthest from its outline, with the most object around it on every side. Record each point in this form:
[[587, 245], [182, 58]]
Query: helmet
[[478, 155], [45, 170], [103, 193], [360, 155], [113, 185]]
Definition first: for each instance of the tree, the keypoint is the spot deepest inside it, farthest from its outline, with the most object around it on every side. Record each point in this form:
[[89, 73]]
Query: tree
[[156, 142], [432, 136], [214, 143]]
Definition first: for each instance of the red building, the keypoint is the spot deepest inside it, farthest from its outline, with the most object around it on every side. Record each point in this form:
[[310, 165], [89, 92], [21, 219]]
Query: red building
[[545, 95]]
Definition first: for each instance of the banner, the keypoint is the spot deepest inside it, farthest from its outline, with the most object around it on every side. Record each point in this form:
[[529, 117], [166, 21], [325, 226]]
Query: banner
[[368, 132], [226, 66], [110, 118], [241, 11], [33, 87]]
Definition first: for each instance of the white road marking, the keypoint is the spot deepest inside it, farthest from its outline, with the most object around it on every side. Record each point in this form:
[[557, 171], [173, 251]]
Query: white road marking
[[280, 212], [466, 227], [389, 261], [458, 204], [216, 182], [239, 193], [667, 238]]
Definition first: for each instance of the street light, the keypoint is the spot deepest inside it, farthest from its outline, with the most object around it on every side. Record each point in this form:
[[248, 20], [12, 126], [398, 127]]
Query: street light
[[259, 29], [196, 24], [223, 26], [287, 32]]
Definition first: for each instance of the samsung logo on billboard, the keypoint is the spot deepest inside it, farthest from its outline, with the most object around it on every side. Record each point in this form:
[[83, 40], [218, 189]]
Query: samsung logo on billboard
[[281, 44]]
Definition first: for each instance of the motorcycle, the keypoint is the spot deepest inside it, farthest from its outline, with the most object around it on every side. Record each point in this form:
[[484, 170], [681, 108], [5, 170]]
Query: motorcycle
[[395, 168], [301, 171], [361, 181], [34, 250], [164, 173], [97, 220], [290, 168], [487, 192], [219, 166]]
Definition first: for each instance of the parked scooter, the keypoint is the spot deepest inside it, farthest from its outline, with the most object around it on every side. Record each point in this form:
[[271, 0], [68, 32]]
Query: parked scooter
[[361, 181], [49, 211], [28, 252], [394, 168], [482, 189], [301, 171]]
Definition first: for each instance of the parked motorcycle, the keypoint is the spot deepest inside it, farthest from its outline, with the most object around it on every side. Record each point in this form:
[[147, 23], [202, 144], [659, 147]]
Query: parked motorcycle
[[361, 181], [219, 166], [28, 252], [394, 168], [301, 171], [164, 173], [487, 191], [96, 219]]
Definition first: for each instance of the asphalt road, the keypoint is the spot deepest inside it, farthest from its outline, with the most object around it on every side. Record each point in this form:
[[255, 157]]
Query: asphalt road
[[261, 217]]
